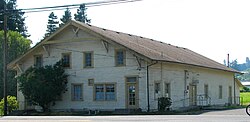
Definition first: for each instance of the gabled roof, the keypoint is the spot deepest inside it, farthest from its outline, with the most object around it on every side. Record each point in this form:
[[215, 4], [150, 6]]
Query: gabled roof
[[154, 50]]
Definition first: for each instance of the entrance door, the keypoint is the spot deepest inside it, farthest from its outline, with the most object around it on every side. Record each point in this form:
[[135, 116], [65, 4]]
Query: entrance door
[[193, 95], [132, 93]]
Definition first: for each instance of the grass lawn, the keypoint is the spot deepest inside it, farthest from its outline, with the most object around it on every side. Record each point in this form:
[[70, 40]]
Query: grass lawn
[[246, 97]]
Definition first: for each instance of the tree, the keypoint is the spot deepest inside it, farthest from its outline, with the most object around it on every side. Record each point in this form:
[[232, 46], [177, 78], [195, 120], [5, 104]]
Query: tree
[[43, 85], [17, 45], [81, 14], [52, 24], [234, 64], [66, 17], [15, 21]]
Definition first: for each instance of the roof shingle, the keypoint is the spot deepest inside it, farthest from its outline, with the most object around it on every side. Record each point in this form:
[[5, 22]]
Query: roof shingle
[[159, 51]]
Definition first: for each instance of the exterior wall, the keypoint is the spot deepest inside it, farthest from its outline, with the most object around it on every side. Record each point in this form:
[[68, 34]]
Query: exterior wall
[[175, 75], [104, 71]]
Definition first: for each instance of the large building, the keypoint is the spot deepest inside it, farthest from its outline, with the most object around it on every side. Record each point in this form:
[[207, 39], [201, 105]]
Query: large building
[[111, 70]]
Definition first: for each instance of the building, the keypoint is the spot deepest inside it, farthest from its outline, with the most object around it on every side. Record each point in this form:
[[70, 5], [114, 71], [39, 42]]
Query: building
[[246, 83], [114, 70]]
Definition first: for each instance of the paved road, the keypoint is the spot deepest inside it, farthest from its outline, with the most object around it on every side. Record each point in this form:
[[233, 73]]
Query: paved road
[[236, 115]]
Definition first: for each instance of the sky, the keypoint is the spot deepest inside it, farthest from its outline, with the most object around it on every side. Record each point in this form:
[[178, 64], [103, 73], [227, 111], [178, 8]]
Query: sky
[[213, 28]]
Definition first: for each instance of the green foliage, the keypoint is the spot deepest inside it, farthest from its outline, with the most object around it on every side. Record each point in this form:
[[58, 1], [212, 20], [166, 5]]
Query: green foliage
[[17, 45], [43, 85], [52, 24], [245, 98], [81, 14], [164, 103], [245, 89], [12, 104], [15, 22], [66, 17]]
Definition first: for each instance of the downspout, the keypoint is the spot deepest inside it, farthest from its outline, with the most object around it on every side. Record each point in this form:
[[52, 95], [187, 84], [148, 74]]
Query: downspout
[[148, 83], [185, 88], [234, 91], [228, 65]]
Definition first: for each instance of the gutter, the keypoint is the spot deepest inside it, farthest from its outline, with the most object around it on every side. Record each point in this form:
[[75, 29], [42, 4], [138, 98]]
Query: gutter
[[148, 83]]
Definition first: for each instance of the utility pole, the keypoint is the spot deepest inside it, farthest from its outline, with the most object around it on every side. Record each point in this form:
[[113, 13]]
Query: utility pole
[[5, 60]]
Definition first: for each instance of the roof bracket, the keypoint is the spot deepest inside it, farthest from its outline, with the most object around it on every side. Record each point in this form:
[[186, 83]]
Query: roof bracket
[[106, 45], [19, 68], [138, 62], [76, 31], [46, 49]]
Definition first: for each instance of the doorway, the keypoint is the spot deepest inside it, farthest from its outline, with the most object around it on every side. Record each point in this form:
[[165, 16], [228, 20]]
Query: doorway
[[192, 95], [132, 101]]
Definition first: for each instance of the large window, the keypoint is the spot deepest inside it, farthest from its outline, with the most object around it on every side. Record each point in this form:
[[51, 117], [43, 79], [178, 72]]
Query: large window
[[77, 92], [220, 92], [66, 60], [206, 90], [157, 88], [167, 90], [88, 59], [104, 92], [38, 60], [120, 56]]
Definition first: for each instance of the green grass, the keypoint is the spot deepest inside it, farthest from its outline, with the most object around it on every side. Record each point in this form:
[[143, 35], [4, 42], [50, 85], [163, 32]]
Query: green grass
[[246, 97]]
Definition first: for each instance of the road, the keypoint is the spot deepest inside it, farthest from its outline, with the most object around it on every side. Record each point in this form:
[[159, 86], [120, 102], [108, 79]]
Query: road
[[236, 115]]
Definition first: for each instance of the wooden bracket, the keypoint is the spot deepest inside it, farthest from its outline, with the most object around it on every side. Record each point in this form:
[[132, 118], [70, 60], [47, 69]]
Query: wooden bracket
[[106, 45], [46, 49], [19, 68], [138, 62], [75, 31]]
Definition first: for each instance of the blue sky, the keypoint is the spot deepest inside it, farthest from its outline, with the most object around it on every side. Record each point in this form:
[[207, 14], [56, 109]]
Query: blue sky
[[212, 28]]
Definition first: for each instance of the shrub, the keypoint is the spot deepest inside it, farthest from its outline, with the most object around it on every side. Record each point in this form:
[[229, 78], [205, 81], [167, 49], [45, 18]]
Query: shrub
[[12, 104], [164, 103]]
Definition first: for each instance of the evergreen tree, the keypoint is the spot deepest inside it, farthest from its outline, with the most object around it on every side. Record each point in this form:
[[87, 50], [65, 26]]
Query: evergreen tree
[[81, 14], [52, 24], [66, 17], [15, 20]]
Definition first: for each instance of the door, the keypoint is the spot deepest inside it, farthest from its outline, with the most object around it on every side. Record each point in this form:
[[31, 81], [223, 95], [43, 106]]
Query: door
[[193, 95], [132, 101]]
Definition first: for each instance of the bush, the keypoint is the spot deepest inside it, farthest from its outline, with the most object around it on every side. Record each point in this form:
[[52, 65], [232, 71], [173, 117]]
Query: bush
[[164, 103], [12, 104]]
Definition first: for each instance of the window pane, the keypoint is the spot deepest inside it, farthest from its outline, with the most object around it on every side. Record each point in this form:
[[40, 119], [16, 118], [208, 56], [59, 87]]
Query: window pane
[[66, 60], [157, 88], [167, 90], [110, 92], [88, 58], [120, 57], [38, 61], [77, 92], [99, 92], [131, 79], [220, 92]]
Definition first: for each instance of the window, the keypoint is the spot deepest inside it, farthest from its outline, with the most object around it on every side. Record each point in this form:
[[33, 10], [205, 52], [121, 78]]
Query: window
[[90, 82], [105, 92], [66, 60], [167, 90], [88, 59], [220, 92], [77, 92], [131, 79], [38, 60], [206, 91], [120, 57], [157, 88]]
